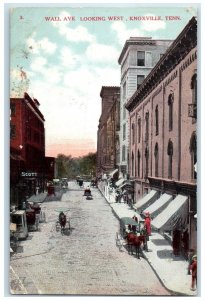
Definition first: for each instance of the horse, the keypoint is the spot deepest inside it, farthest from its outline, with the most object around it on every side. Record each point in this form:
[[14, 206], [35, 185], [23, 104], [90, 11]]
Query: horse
[[62, 220], [136, 241]]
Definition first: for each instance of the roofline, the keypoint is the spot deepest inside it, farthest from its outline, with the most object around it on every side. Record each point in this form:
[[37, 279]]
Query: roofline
[[141, 41], [163, 62]]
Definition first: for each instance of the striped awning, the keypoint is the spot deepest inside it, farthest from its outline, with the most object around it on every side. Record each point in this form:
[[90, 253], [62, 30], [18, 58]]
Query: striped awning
[[173, 216], [113, 173], [161, 203], [146, 200], [119, 182]]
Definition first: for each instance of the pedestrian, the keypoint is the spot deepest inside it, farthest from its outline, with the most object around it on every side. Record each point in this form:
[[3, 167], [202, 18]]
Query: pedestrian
[[185, 243], [147, 223], [193, 269], [135, 218], [190, 260], [176, 240]]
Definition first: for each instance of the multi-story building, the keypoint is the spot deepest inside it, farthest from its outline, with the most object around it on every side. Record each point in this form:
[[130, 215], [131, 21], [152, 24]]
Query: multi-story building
[[27, 144], [138, 57], [108, 131], [163, 152]]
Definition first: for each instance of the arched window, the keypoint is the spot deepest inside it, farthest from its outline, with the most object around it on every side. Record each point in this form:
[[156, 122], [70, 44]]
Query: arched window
[[170, 103], [139, 130], [147, 127], [146, 162], [194, 94], [123, 153], [193, 152], [170, 154], [133, 133], [156, 155], [138, 163], [156, 120], [133, 164]]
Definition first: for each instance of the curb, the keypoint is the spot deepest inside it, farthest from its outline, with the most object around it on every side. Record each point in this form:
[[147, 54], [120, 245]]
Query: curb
[[173, 293]]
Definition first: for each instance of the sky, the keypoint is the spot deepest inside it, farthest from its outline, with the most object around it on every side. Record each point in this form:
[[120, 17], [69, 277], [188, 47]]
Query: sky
[[62, 56]]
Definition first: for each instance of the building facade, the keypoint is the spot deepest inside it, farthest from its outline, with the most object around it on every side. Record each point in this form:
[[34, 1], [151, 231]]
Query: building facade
[[162, 116], [108, 131], [27, 144], [138, 57]]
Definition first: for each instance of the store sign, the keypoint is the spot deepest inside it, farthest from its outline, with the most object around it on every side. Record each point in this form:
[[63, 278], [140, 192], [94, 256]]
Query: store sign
[[28, 174]]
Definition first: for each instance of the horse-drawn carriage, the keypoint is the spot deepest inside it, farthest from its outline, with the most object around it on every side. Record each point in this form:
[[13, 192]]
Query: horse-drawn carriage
[[63, 222], [133, 234], [87, 193]]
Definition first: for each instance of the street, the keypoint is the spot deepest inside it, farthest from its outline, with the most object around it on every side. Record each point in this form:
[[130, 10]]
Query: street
[[84, 260]]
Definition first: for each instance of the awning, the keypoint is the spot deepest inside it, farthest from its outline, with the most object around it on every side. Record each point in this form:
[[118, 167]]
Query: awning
[[173, 216], [113, 173], [128, 184], [155, 208], [119, 182], [146, 200]]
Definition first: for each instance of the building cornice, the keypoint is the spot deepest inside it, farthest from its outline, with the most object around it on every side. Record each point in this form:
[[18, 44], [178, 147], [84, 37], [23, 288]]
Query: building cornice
[[184, 43]]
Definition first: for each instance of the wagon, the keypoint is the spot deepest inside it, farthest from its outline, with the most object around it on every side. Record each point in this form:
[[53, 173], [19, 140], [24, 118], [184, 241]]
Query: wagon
[[87, 193], [128, 224], [63, 226]]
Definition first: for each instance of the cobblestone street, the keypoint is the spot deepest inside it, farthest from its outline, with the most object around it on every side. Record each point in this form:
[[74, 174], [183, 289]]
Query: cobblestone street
[[85, 260]]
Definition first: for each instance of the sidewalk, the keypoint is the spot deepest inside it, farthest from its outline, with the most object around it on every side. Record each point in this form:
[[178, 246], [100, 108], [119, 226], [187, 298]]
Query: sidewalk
[[38, 198], [171, 270]]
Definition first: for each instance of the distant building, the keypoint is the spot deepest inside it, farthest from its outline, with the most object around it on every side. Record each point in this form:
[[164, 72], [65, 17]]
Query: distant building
[[139, 55], [108, 131], [163, 147]]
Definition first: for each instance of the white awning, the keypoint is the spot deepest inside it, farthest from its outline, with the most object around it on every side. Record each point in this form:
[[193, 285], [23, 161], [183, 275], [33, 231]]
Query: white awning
[[155, 208], [127, 183], [119, 182], [113, 173], [146, 200], [173, 216]]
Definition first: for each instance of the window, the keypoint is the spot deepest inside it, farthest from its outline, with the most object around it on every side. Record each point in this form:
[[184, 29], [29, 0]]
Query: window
[[124, 112], [194, 95], [123, 153], [140, 79], [156, 155], [13, 109], [133, 164], [138, 163], [140, 58], [193, 152], [146, 162], [147, 127], [170, 154], [124, 92], [170, 103], [133, 133], [12, 131], [124, 132], [156, 120], [139, 130]]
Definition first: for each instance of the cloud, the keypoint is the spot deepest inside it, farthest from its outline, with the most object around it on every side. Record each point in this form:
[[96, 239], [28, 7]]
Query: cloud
[[152, 25], [102, 53], [123, 34], [44, 45], [38, 64], [68, 58], [77, 34]]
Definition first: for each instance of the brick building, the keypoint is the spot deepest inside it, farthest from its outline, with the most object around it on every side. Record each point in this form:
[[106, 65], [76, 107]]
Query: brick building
[[139, 55], [108, 131], [163, 152], [27, 149]]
